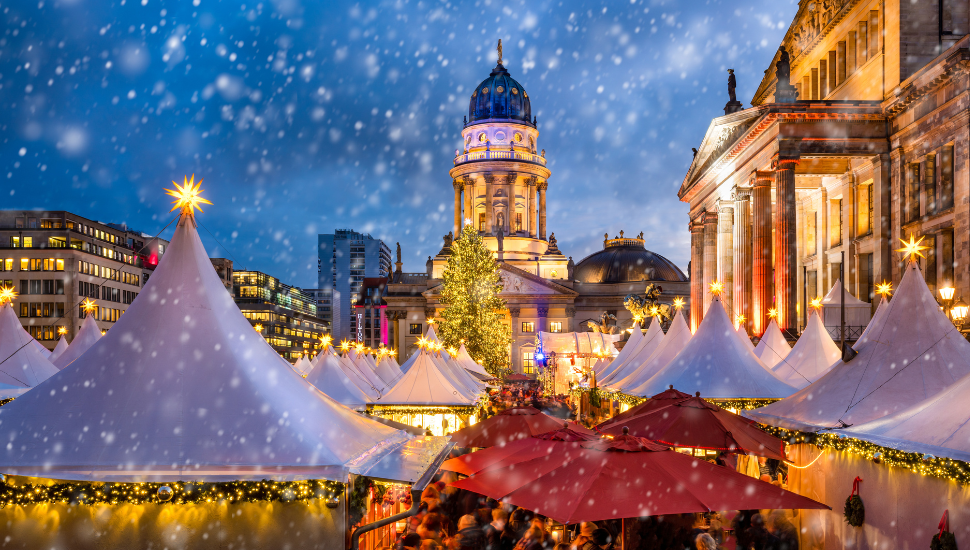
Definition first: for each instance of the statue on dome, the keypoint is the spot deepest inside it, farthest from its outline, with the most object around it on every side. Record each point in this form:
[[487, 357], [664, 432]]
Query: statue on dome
[[499, 51], [398, 252]]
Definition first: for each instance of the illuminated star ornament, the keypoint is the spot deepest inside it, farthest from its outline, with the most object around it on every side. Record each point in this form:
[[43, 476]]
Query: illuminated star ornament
[[913, 248], [88, 306], [739, 319], [816, 303], [62, 330], [325, 340], [258, 327], [716, 288], [772, 313], [679, 302], [7, 294], [187, 195], [884, 288]]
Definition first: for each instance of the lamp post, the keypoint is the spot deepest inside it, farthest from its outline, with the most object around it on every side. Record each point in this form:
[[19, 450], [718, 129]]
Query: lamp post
[[946, 296], [959, 313]]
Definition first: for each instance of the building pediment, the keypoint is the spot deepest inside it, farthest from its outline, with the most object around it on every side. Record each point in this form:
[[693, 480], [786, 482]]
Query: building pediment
[[518, 282], [723, 133]]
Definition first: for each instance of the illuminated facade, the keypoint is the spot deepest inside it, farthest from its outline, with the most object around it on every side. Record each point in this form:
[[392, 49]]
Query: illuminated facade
[[500, 181], [56, 259], [873, 149]]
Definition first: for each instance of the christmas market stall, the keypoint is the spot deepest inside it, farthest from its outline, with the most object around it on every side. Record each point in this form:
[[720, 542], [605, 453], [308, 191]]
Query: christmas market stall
[[328, 375], [182, 428], [22, 365], [60, 346], [643, 369], [857, 313], [772, 347], [83, 341], [647, 344], [811, 357]]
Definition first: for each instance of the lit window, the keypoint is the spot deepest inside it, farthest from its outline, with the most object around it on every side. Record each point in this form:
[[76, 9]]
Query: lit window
[[528, 326], [555, 326], [24, 264], [415, 328], [528, 359], [28, 242]]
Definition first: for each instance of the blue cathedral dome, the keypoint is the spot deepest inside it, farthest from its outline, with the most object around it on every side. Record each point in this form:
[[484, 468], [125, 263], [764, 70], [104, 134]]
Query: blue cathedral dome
[[500, 97]]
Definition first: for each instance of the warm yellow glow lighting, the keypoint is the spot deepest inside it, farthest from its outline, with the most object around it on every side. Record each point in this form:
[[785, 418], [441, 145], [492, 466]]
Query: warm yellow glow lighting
[[739, 320], [62, 330], [88, 306], [654, 310], [816, 303], [344, 345], [258, 327], [947, 293], [884, 288], [912, 249], [772, 313], [452, 351], [959, 311], [7, 294], [716, 288], [637, 319], [679, 303], [326, 340], [187, 195], [431, 321]]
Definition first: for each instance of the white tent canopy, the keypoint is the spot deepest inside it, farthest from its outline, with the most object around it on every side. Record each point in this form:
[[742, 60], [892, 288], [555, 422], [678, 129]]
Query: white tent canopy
[[468, 363], [857, 312], [424, 384], [914, 353], [22, 366], [359, 362], [564, 343], [39, 347], [641, 370], [328, 376], [456, 375], [773, 347], [636, 335], [302, 366], [743, 334], [812, 356], [387, 371], [648, 344], [183, 388], [89, 335], [875, 321], [716, 363], [58, 349]]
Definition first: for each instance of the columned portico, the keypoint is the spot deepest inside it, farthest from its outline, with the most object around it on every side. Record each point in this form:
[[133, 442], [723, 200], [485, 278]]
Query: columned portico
[[761, 267], [531, 204], [458, 185], [786, 274], [542, 209], [696, 271], [725, 252], [741, 277], [710, 256]]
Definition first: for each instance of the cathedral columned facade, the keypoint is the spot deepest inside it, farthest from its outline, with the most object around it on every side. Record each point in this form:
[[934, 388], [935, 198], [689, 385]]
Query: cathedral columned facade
[[500, 180], [856, 137]]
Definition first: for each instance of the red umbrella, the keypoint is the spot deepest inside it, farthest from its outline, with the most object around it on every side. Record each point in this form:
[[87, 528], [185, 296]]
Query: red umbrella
[[694, 422], [558, 442], [623, 478], [658, 401], [510, 425]]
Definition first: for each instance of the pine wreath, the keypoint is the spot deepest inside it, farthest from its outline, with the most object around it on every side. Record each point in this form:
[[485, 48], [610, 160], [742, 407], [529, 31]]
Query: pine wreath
[[944, 541], [855, 512]]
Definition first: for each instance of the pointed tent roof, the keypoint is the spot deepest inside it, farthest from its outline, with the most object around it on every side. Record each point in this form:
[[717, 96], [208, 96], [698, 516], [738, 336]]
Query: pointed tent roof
[[939, 426], [468, 363], [356, 361], [89, 335], [408, 362], [813, 355], [431, 335], [636, 335], [648, 344], [302, 366], [39, 347], [351, 372], [425, 385], [469, 387], [185, 389], [328, 376], [386, 371], [674, 342], [58, 349], [874, 322], [834, 297], [718, 364], [743, 334], [773, 347], [913, 354], [22, 366]]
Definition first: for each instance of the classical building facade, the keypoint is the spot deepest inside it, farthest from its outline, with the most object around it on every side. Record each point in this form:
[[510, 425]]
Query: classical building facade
[[857, 136], [500, 181]]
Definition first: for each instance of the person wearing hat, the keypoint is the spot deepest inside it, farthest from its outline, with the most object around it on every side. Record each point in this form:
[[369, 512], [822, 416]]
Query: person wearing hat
[[469, 535], [586, 529]]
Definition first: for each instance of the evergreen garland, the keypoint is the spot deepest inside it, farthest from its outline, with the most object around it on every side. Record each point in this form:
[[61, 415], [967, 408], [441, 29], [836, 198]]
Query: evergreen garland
[[470, 293], [357, 500], [855, 511]]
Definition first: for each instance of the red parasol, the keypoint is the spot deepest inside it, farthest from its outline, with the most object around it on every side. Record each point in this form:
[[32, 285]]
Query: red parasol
[[623, 478], [559, 442], [694, 422], [662, 399], [510, 425]]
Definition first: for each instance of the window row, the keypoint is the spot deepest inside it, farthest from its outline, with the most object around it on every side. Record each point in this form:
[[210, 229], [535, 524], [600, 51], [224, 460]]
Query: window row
[[44, 332], [100, 313], [88, 268], [929, 185], [41, 286], [42, 309], [529, 326], [32, 264]]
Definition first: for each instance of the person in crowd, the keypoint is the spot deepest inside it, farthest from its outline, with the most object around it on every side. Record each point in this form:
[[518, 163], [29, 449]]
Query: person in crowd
[[785, 534], [757, 535], [411, 541], [698, 527], [469, 535], [430, 528], [498, 535], [586, 529], [519, 522], [741, 524], [532, 540], [600, 540], [705, 542]]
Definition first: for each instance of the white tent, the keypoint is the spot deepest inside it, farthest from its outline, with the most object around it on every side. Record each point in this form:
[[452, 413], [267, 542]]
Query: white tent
[[812, 356], [649, 343], [875, 321], [424, 384], [773, 347], [22, 366], [564, 343], [185, 389], [743, 334], [599, 365], [351, 372], [328, 375], [456, 375], [913, 354], [357, 361], [642, 370], [302, 366], [89, 335], [857, 312], [468, 363], [58, 349], [46, 353], [408, 362], [939, 426], [716, 363], [387, 371], [629, 348]]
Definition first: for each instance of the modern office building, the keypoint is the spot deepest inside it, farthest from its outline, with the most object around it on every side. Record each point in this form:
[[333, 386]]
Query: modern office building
[[55, 260], [346, 258], [370, 319], [286, 314]]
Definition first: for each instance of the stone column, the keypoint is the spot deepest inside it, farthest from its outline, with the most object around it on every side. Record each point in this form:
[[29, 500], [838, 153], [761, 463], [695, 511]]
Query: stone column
[[761, 267], [741, 297], [710, 255], [469, 198], [541, 325], [458, 185], [532, 182], [786, 267], [489, 214], [570, 319], [696, 271], [881, 236], [543, 185], [725, 252], [516, 355]]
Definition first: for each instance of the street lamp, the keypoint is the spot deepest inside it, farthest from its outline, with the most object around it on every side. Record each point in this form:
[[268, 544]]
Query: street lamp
[[959, 311], [946, 297], [947, 293]]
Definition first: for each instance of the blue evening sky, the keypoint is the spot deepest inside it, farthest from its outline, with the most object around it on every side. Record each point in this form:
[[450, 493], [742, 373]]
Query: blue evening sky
[[304, 117]]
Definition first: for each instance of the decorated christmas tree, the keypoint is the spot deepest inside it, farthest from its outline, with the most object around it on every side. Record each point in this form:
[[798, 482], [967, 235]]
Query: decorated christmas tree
[[470, 292]]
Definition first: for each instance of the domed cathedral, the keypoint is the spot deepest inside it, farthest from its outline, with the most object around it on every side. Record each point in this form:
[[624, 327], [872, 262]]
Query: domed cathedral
[[500, 181]]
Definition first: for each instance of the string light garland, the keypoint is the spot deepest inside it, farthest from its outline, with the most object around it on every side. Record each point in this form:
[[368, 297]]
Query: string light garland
[[633, 400], [179, 492], [5, 401], [391, 410]]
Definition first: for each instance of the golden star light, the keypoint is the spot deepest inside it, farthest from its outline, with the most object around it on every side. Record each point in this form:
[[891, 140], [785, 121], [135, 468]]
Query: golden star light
[[913, 248], [7, 294], [326, 340], [772, 313], [637, 318], [431, 320], [716, 288], [88, 306], [258, 327], [62, 330], [679, 302], [816, 303], [739, 319], [187, 195], [884, 288], [654, 311]]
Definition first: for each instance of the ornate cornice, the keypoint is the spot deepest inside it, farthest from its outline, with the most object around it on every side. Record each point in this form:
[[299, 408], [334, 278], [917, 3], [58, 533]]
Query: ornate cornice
[[510, 178], [488, 177], [921, 85], [542, 185]]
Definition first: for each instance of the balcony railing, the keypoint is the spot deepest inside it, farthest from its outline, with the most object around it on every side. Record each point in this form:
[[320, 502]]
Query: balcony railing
[[500, 155]]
